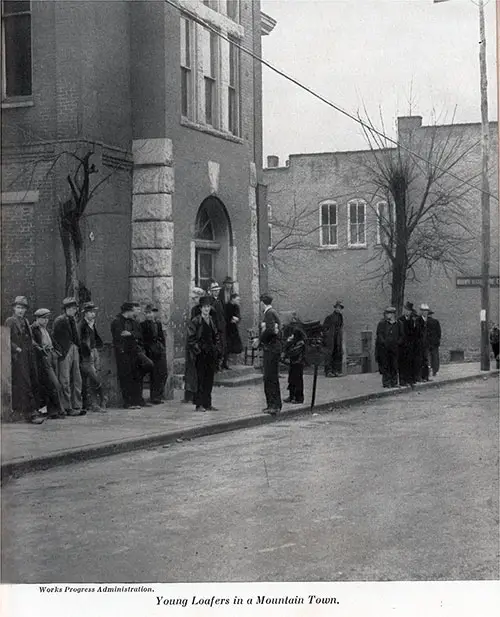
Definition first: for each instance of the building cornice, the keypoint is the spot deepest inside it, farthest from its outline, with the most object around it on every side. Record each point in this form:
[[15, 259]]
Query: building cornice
[[267, 24]]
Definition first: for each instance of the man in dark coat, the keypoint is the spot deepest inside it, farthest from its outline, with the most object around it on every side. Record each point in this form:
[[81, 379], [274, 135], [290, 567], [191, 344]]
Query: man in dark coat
[[65, 337], [154, 346], [423, 323], [128, 348], [225, 300], [190, 378], [49, 388], [408, 346], [295, 351], [219, 317], [494, 342], [434, 340], [386, 347], [332, 336], [90, 360], [233, 316], [23, 372], [204, 346], [270, 341]]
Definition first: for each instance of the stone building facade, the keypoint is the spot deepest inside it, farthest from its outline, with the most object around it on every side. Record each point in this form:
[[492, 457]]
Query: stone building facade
[[172, 114], [329, 202]]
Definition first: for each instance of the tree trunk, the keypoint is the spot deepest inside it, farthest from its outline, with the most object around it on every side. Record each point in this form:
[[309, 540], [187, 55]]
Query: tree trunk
[[400, 264]]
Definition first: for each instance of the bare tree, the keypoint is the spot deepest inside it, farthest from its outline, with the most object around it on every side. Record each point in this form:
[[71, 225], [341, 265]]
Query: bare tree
[[426, 221]]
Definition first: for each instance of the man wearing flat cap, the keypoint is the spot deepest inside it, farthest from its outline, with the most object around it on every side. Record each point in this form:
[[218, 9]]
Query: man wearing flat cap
[[90, 359], [65, 336], [386, 347], [333, 328], [50, 391], [23, 373], [153, 339]]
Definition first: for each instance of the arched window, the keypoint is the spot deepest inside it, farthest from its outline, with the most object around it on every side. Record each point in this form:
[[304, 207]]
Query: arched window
[[356, 209], [204, 226]]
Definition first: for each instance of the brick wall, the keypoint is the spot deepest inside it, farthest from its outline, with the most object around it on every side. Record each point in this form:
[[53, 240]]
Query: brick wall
[[310, 280]]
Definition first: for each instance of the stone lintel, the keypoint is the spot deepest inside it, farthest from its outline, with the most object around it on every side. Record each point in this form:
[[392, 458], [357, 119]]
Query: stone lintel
[[156, 207]]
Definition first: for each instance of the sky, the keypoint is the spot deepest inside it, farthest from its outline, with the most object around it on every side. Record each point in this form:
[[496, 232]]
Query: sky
[[390, 57]]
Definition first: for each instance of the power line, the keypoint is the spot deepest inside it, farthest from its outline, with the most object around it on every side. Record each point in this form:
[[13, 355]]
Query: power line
[[351, 116]]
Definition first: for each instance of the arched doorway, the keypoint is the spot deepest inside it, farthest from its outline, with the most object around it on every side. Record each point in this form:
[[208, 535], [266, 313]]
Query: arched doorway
[[214, 255]]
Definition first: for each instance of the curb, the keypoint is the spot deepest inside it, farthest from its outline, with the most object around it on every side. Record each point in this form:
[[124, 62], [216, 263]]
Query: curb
[[16, 469]]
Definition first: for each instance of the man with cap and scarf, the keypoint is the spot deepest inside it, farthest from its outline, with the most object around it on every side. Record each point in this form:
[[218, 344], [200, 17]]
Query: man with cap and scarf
[[90, 360], [332, 337], [49, 387], [408, 346], [386, 347], [154, 345], [65, 336], [23, 372]]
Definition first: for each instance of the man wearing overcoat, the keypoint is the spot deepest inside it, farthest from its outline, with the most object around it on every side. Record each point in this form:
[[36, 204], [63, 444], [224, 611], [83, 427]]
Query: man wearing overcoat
[[153, 339], [270, 341], [434, 340], [332, 335], [386, 347]]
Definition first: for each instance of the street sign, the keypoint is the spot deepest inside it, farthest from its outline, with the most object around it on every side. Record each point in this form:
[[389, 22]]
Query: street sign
[[476, 281]]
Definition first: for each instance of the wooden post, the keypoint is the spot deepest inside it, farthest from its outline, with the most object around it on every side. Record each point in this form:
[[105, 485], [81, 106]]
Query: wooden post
[[315, 381]]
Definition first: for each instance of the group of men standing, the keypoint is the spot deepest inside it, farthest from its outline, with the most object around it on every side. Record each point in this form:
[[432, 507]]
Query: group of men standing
[[55, 374], [407, 348], [58, 369]]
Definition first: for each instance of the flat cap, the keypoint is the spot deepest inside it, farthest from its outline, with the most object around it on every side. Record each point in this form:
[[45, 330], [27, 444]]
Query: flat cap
[[390, 309], [89, 306], [127, 306], [21, 301], [42, 312], [68, 302]]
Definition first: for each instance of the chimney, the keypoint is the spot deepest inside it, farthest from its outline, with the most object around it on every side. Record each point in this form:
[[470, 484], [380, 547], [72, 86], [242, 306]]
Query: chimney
[[273, 161]]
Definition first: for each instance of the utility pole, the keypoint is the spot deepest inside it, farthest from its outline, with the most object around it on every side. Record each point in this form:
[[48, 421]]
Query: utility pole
[[485, 193], [485, 197]]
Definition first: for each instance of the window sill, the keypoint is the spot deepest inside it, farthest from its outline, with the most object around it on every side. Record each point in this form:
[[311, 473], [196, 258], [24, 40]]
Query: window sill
[[14, 103], [330, 247], [209, 130], [357, 246]]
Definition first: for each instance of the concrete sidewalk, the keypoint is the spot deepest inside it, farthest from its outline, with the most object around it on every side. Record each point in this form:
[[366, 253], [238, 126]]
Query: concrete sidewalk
[[27, 447]]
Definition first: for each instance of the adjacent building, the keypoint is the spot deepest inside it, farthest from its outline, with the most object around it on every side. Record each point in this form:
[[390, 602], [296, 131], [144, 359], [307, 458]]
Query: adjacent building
[[169, 104], [325, 233]]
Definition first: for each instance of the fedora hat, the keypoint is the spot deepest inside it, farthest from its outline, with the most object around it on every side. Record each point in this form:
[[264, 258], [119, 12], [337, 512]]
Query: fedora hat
[[424, 307], [204, 301], [197, 292], [214, 285], [42, 312], [409, 306], [390, 309], [338, 303], [228, 279], [21, 301], [89, 306], [68, 302], [126, 306]]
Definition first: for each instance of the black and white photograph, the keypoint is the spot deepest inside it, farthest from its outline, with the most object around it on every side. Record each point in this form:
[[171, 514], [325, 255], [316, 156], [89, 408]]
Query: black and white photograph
[[250, 307]]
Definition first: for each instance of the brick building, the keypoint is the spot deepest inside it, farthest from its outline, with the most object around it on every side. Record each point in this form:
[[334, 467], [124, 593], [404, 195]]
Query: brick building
[[327, 206], [172, 115]]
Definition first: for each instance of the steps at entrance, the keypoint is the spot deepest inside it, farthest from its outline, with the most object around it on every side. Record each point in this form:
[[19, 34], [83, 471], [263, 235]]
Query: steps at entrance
[[239, 375]]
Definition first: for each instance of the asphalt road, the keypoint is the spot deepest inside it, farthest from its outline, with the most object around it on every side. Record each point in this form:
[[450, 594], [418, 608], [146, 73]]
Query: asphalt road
[[401, 489]]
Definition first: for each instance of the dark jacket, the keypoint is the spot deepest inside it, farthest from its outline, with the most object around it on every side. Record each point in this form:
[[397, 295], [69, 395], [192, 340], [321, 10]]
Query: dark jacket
[[332, 330], [153, 338], [21, 334], [410, 332], [234, 344], [220, 316], [65, 333], [295, 350], [433, 332], [388, 339], [124, 345], [88, 339], [194, 337], [270, 336], [37, 341]]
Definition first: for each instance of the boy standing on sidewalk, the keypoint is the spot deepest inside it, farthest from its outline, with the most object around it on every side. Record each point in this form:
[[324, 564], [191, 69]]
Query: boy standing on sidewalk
[[295, 351]]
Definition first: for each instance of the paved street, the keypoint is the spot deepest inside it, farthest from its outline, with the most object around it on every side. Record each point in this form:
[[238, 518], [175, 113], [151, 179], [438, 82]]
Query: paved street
[[404, 488]]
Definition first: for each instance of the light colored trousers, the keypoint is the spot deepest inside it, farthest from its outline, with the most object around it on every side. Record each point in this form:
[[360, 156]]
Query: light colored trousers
[[70, 379]]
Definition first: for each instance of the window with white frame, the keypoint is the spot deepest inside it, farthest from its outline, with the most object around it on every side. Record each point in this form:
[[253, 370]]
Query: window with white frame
[[16, 48], [328, 223], [386, 219], [234, 90], [357, 222], [233, 10], [187, 61], [211, 76]]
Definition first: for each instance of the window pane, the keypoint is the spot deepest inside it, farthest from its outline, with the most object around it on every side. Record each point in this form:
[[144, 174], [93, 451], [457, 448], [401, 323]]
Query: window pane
[[324, 215], [185, 74], [205, 261], [209, 100], [17, 55], [361, 213], [185, 43], [325, 234], [333, 214], [354, 235], [232, 9], [352, 213], [15, 6], [333, 234], [213, 55], [361, 233], [233, 112]]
